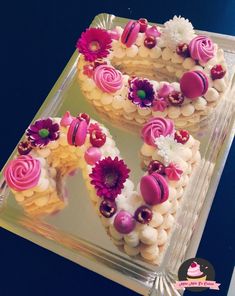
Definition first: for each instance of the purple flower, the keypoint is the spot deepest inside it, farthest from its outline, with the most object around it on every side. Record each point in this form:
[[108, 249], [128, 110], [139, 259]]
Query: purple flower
[[108, 176], [141, 92], [42, 132]]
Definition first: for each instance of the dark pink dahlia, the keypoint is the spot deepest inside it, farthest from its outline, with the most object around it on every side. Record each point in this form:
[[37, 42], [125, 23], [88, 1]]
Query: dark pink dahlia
[[94, 44], [42, 132], [141, 92], [108, 176]]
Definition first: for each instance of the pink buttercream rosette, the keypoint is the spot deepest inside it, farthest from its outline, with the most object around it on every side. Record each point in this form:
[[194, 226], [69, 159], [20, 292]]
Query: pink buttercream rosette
[[108, 79], [155, 128], [201, 48], [23, 173]]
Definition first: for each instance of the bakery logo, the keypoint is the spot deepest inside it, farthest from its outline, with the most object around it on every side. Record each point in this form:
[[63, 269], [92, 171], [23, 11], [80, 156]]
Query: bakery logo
[[196, 275]]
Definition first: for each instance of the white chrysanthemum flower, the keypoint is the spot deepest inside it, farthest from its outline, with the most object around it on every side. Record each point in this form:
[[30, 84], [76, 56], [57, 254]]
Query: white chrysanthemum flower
[[176, 31], [168, 149]]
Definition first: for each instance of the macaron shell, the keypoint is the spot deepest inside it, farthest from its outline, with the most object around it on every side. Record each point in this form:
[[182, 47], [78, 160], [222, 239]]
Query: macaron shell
[[193, 84], [130, 33], [164, 185], [205, 79], [70, 131], [150, 190], [81, 132]]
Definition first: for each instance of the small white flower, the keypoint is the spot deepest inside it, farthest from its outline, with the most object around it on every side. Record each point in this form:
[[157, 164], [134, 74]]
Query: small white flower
[[176, 31], [168, 149]]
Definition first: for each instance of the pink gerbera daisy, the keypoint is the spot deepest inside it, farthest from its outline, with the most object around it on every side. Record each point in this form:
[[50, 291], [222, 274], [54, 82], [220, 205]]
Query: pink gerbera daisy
[[108, 177], [94, 44]]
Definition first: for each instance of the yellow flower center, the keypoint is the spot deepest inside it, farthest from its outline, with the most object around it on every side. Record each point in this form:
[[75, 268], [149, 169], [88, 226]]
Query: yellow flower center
[[94, 46]]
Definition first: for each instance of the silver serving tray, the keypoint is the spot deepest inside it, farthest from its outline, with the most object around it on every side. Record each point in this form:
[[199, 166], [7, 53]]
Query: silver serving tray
[[77, 233]]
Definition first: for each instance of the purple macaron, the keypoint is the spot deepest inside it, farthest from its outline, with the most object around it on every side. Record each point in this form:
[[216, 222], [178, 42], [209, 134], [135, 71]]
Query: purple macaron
[[154, 189], [194, 84]]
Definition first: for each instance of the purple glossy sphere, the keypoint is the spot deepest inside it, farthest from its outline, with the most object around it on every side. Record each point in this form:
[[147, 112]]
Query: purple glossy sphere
[[124, 222]]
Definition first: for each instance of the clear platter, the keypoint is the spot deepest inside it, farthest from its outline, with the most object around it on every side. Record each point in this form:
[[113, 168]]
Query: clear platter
[[77, 233]]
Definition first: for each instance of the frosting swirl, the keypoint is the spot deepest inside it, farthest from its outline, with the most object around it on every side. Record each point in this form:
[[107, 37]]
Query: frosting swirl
[[107, 78], [155, 128], [22, 173], [173, 172], [159, 104], [201, 48]]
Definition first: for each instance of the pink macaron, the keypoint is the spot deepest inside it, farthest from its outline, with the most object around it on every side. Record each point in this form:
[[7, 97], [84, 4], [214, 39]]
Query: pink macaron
[[130, 33], [77, 132], [154, 189], [194, 84]]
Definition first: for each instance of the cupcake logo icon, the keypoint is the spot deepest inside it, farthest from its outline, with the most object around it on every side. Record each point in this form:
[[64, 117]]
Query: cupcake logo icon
[[194, 272], [196, 275]]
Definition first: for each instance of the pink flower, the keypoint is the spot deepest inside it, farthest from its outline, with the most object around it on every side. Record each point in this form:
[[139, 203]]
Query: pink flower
[[94, 44], [108, 176], [159, 104], [173, 172], [88, 70]]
